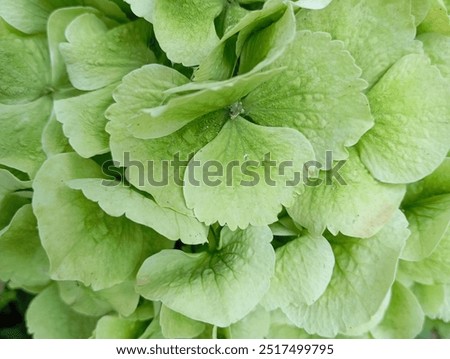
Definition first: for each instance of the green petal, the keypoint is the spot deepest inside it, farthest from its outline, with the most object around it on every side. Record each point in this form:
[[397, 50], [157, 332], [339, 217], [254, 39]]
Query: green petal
[[179, 111], [48, 317], [312, 4], [184, 29], [145, 311], [252, 192], [364, 329], [221, 62], [142, 8], [147, 158], [220, 287], [148, 162], [113, 327], [104, 57], [25, 68], [231, 15], [10, 183], [30, 16], [117, 200], [388, 24], [324, 102], [303, 271], [437, 47], [253, 326], [73, 229], [437, 19], [153, 331], [433, 269], [282, 328], [359, 207], [434, 299], [434, 184], [412, 126], [404, 317], [10, 204], [177, 326], [429, 220], [22, 259], [419, 9], [20, 138], [84, 121], [53, 139], [260, 47], [122, 298], [363, 274], [56, 26]]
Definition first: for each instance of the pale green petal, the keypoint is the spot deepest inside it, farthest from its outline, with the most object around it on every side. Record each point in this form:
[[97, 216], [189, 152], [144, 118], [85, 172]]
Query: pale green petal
[[303, 270], [230, 16], [184, 28], [84, 121], [117, 200], [141, 8], [313, 4], [30, 16], [260, 47], [404, 317], [429, 220], [53, 139], [221, 62], [285, 227], [435, 300], [220, 287], [177, 326], [48, 317], [22, 259], [377, 32], [437, 19], [412, 122], [435, 184], [145, 87], [359, 207], [57, 23], [20, 137], [104, 57], [437, 47], [363, 274], [219, 65], [249, 190], [25, 68], [145, 311], [113, 327], [82, 242], [179, 111], [10, 183], [153, 331], [320, 94], [122, 298], [82, 299], [253, 326], [10, 204], [419, 9], [435, 268], [282, 328], [374, 321]]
